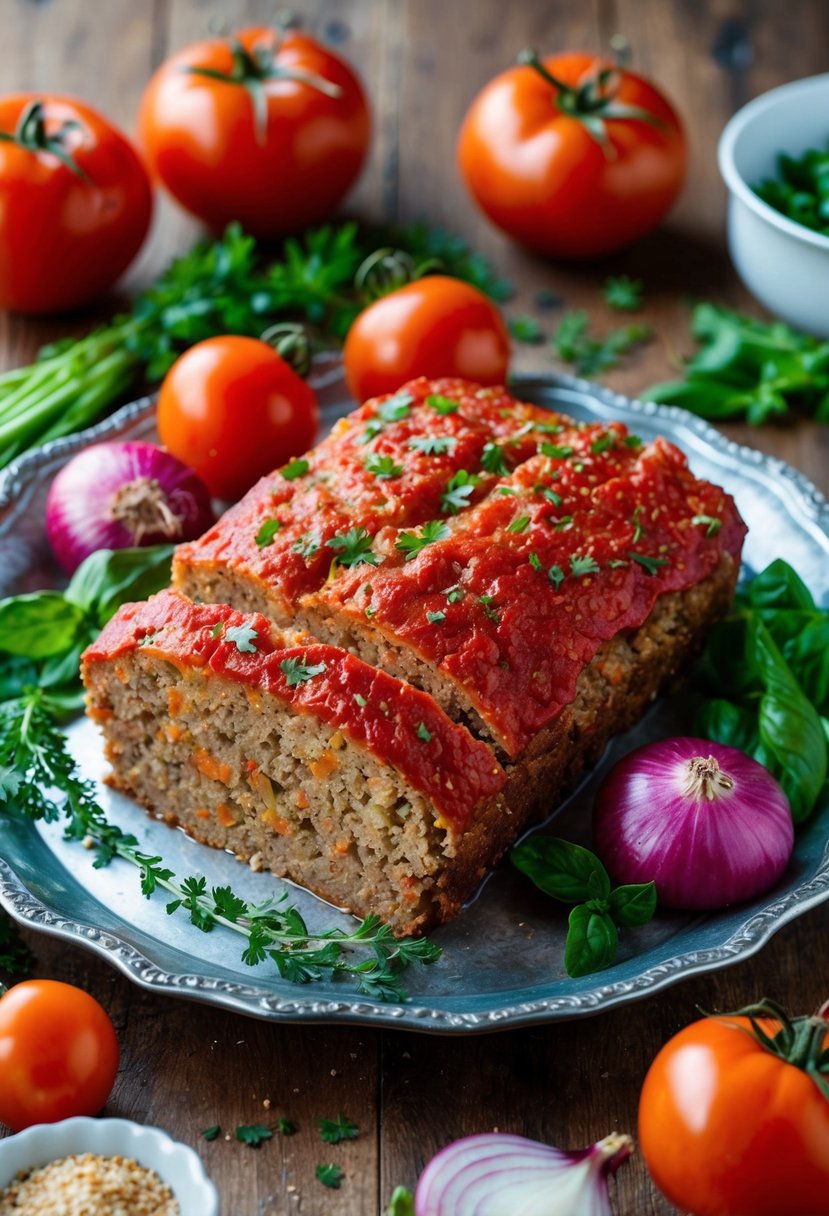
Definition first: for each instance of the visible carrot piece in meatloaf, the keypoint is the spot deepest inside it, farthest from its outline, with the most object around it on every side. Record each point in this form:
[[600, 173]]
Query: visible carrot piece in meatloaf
[[401, 782]]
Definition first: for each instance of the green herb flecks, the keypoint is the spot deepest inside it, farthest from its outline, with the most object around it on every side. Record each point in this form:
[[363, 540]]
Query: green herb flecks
[[307, 544], [573, 343], [800, 191], [412, 543], [396, 408], [520, 524], [492, 459], [650, 564], [294, 469], [442, 405], [383, 466], [574, 875], [243, 638], [711, 524], [354, 547], [581, 565], [267, 532], [297, 671], [333, 1131], [556, 576], [433, 445], [556, 451], [526, 329], [423, 733], [623, 293], [436, 618], [330, 1175], [459, 490]]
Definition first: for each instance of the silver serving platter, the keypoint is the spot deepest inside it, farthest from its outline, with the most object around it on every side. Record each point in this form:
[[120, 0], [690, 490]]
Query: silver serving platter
[[502, 958]]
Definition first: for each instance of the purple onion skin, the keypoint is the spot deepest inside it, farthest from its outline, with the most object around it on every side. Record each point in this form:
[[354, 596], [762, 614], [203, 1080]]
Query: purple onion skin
[[702, 854], [79, 505]]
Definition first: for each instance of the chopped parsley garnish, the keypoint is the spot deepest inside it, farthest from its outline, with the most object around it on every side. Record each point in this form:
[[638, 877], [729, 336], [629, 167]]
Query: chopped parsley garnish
[[520, 524], [551, 496], [212, 1133], [308, 544], [360, 699], [623, 293], [411, 544], [548, 428], [563, 523], [423, 733], [711, 524], [638, 530], [373, 429], [294, 469], [556, 452], [285, 1127], [505, 491], [525, 329], [435, 618], [492, 459], [217, 629], [574, 343], [297, 671], [149, 638], [556, 576], [254, 1134], [455, 594], [459, 490], [267, 532], [370, 611], [535, 561], [582, 565], [489, 612], [616, 563], [330, 1175], [242, 637], [603, 443], [433, 445], [395, 408], [442, 405], [632, 441], [335, 1130], [383, 466], [353, 547], [651, 564]]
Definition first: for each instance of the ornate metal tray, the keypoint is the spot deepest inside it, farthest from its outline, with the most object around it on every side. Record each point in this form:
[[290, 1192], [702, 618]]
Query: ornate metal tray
[[502, 958]]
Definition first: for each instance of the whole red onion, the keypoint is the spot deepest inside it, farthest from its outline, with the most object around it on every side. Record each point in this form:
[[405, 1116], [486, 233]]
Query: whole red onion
[[706, 823], [120, 495]]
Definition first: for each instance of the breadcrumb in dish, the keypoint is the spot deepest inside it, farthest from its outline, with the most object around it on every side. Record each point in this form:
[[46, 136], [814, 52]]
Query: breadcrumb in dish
[[89, 1185]]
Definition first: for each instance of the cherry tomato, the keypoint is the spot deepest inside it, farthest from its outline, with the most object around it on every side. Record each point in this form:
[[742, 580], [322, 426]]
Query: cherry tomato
[[728, 1128], [233, 410], [433, 327], [75, 203], [58, 1054], [572, 157], [267, 129]]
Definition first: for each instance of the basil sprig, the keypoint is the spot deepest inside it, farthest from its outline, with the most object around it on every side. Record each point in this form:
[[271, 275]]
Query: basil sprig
[[767, 667], [574, 875]]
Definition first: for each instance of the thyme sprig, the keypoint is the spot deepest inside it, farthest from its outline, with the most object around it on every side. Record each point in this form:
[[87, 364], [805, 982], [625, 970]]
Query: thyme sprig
[[40, 781]]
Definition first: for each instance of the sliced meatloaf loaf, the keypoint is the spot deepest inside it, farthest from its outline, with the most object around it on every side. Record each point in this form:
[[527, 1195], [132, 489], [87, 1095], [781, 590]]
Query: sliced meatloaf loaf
[[304, 760], [565, 539]]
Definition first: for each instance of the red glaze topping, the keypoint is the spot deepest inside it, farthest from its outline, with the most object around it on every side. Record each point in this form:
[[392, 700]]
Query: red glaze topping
[[401, 726], [388, 465]]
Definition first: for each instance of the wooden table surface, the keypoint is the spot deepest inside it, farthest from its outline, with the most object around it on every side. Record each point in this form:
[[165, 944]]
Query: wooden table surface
[[186, 1067]]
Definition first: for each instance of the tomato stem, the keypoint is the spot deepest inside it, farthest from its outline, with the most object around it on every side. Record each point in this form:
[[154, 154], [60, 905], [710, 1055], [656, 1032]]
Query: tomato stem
[[292, 342], [798, 1041], [30, 134]]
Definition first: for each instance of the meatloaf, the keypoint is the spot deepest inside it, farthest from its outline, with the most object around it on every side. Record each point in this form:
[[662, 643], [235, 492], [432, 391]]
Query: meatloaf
[[533, 580]]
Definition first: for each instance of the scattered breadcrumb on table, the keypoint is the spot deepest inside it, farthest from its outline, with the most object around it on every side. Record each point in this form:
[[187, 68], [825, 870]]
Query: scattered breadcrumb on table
[[88, 1185]]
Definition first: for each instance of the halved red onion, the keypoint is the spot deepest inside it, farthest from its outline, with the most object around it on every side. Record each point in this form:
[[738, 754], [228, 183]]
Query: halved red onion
[[122, 495], [499, 1175], [708, 824]]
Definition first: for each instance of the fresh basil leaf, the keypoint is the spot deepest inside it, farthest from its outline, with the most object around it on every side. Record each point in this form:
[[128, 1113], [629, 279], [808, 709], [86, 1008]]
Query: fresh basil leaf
[[779, 586], [112, 577], [39, 625], [730, 660], [591, 943], [725, 722], [16, 674], [64, 702], [807, 654], [63, 669], [707, 398], [633, 904], [791, 730], [562, 869]]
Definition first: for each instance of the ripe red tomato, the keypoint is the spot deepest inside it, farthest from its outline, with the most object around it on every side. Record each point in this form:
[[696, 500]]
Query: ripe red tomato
[[75, 203], [567, 170], [728, 1128], [58, 1054], [267, 129], [233, 410], [433, 327]]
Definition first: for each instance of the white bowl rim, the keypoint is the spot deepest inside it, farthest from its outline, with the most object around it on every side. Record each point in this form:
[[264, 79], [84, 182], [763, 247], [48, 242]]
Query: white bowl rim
[[126, 1132], [734, 180]]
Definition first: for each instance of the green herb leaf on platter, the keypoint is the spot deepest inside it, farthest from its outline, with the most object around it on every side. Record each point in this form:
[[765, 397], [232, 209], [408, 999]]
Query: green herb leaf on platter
[[632, 904], [592, 941], [561, 869], [112, 577], [39, 625]]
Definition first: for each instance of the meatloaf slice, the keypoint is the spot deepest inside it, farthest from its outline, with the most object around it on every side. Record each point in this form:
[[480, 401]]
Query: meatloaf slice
[[303, 760], [430, 450]]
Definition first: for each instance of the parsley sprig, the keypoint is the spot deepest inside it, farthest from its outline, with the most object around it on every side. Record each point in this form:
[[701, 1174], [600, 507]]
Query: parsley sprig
[[411, 544], [39, 781], [574, 343], [459, 490], [354, 547]]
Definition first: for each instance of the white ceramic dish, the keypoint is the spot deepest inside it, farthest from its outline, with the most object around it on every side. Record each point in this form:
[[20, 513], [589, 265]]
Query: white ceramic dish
[[785, 265], [175, 1163]]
